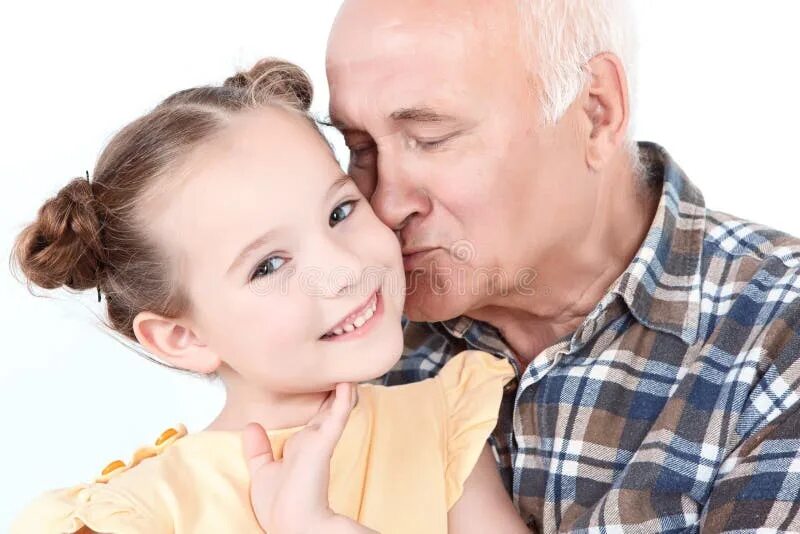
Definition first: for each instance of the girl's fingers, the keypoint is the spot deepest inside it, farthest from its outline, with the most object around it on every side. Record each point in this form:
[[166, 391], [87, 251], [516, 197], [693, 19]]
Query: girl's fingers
[[343, 401], [257, 448], [339, 411], [326, 406], [326, 427], [331, 406]]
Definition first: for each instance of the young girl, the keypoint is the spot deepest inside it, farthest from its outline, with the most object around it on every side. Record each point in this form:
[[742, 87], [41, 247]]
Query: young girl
[[226, 241]]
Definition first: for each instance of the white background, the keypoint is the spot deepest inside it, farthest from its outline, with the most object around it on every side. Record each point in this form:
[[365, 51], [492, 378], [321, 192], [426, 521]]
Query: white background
[[718, 86]]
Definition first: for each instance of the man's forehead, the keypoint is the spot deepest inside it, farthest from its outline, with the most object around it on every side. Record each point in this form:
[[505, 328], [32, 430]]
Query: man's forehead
[[365, 27], [402, 76], [398, 63], [365, 13], [421, 92], [397, 43]]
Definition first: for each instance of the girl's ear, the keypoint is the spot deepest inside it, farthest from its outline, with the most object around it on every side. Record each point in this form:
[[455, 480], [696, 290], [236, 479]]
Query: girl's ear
[[175, 343]]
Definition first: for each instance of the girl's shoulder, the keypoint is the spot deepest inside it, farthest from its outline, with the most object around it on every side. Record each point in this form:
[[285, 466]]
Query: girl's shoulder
[[139, 495], [470, 373], [473, 367], [473, 384], [446, 419]]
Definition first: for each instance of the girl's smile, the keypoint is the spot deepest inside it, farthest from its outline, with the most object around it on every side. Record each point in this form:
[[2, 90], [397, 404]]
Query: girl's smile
[[358, 323]]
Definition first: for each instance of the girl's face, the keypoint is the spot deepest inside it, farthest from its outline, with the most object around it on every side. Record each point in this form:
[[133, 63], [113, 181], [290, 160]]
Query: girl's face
[[294, 283]]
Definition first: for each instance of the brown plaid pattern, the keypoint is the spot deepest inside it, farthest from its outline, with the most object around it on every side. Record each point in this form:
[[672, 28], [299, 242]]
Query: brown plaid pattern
[[674, 406]]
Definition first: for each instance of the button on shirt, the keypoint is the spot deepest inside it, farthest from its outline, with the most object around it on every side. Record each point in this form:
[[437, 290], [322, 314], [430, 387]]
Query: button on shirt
[[674, 406]]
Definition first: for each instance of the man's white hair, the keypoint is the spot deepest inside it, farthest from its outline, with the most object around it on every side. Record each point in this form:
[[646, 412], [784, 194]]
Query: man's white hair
[[563, 35]]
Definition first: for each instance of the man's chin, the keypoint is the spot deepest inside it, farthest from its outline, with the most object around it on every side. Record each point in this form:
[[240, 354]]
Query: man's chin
[[429, 307]]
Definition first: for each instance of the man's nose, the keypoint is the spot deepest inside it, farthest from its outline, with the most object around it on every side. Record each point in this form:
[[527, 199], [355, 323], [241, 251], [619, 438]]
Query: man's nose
[[399, 194]]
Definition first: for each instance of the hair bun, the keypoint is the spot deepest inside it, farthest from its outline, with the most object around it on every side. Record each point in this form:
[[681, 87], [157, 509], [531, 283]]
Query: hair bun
[[62, 247], [276, 78]]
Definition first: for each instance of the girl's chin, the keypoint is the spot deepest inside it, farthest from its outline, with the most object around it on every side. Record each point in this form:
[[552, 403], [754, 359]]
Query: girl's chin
[[366, 368], [367, 375]]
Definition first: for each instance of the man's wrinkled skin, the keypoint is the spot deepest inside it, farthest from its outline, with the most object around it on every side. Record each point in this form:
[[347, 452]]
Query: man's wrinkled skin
[[439, 106]]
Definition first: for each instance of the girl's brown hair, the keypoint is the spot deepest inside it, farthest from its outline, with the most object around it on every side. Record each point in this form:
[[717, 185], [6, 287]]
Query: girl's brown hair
[[92, 234]]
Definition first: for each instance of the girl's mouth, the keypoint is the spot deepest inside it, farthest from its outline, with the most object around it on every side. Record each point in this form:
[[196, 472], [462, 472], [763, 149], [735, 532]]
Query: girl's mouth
[[359, 322]]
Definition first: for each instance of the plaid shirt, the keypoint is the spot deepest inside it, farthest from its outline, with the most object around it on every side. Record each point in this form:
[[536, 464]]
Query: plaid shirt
[[674, 406]]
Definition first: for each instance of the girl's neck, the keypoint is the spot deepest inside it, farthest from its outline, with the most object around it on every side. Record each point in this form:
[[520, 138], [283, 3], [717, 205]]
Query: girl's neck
[[247, 404]]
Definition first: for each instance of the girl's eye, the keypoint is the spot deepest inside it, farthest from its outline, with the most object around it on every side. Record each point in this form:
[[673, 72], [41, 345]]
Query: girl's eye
[[341, 212], [269, 266]]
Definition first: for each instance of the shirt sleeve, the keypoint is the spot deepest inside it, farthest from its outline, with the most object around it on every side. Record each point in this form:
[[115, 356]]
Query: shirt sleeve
[[747, 445], [759, 485], [94, 506], [472, 384]]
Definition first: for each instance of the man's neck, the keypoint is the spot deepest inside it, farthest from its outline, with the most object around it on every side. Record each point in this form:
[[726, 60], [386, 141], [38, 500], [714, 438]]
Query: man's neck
[[573, 280]]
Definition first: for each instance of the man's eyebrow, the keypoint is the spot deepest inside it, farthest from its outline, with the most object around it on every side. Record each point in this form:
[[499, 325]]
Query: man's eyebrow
[[422, 114]]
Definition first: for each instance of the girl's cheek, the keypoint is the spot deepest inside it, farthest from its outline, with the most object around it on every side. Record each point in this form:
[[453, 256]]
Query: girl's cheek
[[288, 319]]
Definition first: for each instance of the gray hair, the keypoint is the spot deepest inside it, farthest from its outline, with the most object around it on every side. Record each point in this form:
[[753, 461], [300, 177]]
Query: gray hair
[[563, 35]]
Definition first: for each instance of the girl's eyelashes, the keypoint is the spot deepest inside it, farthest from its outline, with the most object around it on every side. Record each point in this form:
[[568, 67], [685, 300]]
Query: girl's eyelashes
[[273, 263], [268, 266], [341, 212]]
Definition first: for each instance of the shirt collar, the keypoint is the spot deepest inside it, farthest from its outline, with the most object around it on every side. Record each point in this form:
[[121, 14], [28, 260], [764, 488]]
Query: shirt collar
[[662, 285]]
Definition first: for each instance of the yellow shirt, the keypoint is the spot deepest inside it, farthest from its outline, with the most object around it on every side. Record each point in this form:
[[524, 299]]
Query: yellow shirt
[[400, 465]]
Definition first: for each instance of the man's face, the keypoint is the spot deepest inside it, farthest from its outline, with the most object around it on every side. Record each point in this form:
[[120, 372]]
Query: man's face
[[444, 128]]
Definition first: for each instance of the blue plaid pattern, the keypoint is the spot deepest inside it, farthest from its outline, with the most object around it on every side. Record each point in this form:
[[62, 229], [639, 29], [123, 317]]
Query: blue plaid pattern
[[674, 406]]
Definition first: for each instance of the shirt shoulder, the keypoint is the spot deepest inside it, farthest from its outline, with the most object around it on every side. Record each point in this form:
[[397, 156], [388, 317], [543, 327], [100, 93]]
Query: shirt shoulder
[[149, 492], [741, 238], [453, 413], [94, 506], [750, 317], [750, 273], [472, 384]]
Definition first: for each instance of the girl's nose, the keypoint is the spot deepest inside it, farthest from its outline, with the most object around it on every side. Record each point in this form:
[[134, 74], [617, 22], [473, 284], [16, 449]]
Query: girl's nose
[[339, 269]]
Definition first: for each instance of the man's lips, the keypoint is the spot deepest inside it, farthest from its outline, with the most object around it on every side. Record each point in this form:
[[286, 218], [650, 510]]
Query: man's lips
[[413, 257]]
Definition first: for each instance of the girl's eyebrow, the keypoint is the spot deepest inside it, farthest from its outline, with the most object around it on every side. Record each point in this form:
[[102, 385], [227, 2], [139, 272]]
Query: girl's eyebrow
[[339, 183], [246, 251], [258, 242]]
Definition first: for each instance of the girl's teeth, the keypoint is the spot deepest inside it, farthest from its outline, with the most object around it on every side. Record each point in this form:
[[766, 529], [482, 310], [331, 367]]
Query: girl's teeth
[[359, 321]]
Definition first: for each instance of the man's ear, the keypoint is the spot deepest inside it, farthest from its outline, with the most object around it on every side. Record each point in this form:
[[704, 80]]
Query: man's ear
[[606, 108], [175, 343]]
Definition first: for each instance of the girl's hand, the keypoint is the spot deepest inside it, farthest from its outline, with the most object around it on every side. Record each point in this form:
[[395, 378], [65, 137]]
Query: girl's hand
[[291, 495]]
